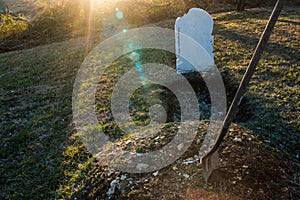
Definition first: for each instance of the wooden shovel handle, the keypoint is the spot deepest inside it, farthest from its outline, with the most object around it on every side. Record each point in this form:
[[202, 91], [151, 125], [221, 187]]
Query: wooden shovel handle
[[247, 76]]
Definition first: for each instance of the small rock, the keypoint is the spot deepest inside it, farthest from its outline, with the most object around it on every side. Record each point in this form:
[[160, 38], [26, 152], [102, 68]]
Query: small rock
[[190, 161], [174, 168], [186, 176], [123, 177], [155, 173], [244, 134], [129, 142], [113, 186], [236, 139]]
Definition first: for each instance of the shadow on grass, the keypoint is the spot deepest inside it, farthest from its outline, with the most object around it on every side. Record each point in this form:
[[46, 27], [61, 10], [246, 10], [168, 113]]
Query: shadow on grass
[[268, 122], [287, 53], [41, 155], [36, 120]]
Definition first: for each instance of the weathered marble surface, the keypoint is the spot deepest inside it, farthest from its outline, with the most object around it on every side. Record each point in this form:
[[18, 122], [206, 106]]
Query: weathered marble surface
[[194, 28]]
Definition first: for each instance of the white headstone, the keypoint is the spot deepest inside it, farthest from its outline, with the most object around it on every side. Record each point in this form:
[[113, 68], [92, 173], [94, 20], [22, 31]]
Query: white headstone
[[194, 28]]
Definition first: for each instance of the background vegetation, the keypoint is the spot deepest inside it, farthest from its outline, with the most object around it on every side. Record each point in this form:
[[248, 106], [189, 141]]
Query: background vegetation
[[62, 19]]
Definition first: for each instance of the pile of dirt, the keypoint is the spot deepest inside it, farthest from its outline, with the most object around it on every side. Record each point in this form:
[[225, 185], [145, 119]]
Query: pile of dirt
[[247, 170]]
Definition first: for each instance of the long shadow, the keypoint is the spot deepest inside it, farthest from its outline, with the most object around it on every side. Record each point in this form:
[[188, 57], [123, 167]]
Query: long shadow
[[283, 131], [92, 177], [290, 22], [36, 122], [36, 119], [287, 53], [261, 13]]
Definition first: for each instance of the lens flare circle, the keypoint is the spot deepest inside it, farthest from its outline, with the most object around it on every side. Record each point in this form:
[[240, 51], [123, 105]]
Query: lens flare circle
[[84, 107]]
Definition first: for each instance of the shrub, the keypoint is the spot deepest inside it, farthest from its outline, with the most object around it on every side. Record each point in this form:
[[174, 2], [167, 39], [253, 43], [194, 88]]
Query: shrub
[[58, 19], [11, 26]]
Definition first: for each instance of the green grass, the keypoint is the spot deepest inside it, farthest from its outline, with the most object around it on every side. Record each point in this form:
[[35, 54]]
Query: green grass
[[275, 85], [36, 88], [41, 155]]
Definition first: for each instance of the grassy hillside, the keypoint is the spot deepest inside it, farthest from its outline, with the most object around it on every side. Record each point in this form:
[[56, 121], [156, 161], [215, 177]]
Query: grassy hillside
[[42, 156]]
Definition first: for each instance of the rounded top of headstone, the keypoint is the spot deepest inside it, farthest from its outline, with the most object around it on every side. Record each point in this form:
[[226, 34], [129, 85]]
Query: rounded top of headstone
[[197, 13], [200, 11]]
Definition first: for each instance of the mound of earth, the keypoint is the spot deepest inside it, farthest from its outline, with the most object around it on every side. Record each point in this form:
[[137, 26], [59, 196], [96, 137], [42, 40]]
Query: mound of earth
[[247, 170]]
